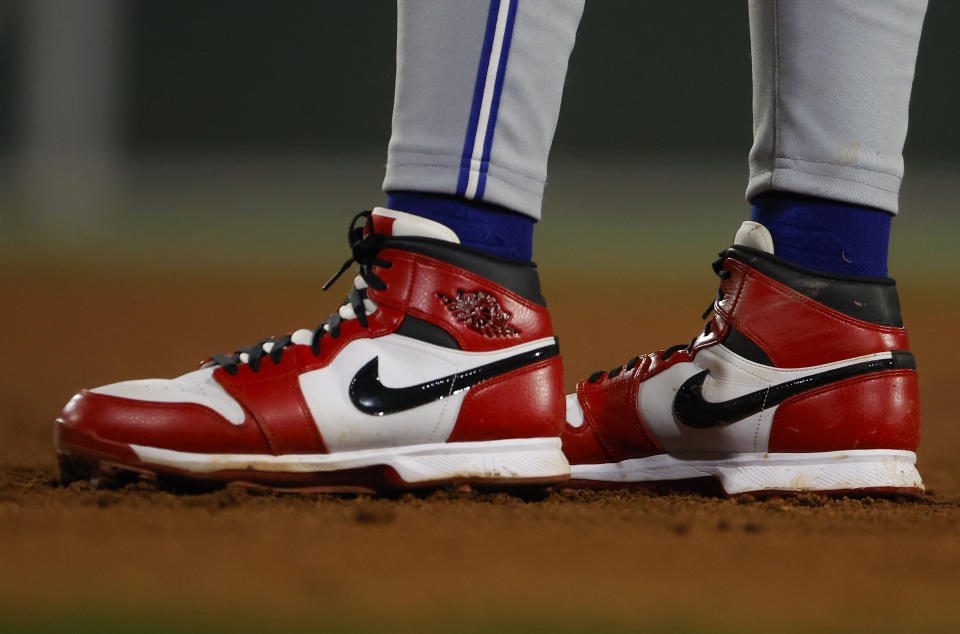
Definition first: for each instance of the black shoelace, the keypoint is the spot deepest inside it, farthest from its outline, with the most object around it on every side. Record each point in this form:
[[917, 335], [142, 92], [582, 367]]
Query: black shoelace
[[723, 274], [364, 250]]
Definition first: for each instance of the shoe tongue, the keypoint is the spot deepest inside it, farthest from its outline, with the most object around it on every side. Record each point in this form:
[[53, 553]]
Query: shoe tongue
[[754, 235], [399, 224]]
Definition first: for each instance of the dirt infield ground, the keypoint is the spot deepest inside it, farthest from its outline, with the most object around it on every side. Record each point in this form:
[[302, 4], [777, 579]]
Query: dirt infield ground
[[137, 559]]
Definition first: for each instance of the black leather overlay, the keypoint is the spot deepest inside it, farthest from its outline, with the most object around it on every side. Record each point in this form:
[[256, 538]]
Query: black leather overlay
[[520, 277], [423, 330], [872, 299], [740, 344]]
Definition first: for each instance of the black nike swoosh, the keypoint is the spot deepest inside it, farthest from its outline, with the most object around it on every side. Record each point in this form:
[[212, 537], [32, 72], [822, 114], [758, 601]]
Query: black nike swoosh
[[692, 410], [370, 396]]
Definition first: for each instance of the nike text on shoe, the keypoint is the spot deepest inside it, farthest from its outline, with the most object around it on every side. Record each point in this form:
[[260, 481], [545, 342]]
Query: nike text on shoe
[[800, 382], [440, 368]]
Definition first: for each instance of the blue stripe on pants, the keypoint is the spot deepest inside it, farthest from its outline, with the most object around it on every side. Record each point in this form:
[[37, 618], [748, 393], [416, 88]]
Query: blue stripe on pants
[[472, 155], [497, 90]]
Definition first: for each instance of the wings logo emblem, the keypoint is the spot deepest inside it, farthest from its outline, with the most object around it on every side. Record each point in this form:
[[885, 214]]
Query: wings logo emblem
[[481, 312]]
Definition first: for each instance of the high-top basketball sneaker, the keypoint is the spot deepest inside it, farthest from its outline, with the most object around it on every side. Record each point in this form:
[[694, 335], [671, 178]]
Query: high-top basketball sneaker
[[440, 367], [800, 382]]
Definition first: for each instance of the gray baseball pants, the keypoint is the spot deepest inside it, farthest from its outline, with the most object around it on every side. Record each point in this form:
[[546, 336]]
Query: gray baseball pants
[[479, 84]]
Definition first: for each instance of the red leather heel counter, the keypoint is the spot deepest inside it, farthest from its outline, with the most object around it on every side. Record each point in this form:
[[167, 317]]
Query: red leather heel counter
[[878, 411], [526, 403]]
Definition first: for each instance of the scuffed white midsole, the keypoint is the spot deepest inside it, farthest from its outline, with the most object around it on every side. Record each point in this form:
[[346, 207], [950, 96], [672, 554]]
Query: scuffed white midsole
[[745, 472], [516, 458]]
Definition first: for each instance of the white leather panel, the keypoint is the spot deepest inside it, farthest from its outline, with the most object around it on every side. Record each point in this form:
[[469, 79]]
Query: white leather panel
[[730, 376], [753, 234], [574, 411], [197, 387], [405, 224], [402, 362]]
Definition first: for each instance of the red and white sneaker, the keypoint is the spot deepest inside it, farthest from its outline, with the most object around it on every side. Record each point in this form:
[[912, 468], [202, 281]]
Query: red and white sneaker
[[440, 367], [799, 382]]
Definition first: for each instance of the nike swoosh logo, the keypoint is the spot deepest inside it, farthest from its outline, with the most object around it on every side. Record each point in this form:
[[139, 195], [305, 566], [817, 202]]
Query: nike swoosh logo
[[692, 410], [370, 396]]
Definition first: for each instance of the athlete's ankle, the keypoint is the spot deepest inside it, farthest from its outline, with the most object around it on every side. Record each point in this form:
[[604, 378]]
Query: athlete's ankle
[[490, 228], [826, 235]]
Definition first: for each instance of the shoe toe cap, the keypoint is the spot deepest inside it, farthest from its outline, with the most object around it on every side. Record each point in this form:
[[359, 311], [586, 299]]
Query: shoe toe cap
[[191, 413], [196, 388]]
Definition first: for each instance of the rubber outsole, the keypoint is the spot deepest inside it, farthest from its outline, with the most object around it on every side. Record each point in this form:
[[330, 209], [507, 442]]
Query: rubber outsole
[[712, 487], [836, 473], [85, 457]]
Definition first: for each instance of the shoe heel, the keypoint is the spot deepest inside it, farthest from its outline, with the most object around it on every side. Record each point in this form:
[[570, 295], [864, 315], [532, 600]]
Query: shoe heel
[[837, 472]]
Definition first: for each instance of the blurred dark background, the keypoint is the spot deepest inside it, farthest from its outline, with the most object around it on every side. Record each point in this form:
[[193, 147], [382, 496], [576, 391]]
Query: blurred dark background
[[305, 76], [122, 117], [175, 180]]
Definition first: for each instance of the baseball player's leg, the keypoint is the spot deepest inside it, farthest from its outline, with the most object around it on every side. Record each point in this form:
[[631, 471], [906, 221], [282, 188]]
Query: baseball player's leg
[[831, 91], [477, 99], [441, 365], [802, 378]]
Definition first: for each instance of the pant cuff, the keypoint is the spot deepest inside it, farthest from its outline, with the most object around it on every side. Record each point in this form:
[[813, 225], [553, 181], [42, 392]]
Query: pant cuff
[[439, 175], [843, 183]]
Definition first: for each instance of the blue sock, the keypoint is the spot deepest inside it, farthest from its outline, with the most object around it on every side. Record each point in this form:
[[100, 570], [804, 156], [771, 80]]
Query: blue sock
[[490, 228], [826, 235]]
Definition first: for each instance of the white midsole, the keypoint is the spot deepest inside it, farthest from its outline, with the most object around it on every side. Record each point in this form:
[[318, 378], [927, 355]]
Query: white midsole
[[516, 458], [744, 472]]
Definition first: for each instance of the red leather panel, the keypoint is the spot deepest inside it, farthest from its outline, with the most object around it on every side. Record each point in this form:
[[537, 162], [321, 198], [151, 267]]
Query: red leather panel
[[382, 322], [413, 284], [581, 445], [176, 426], [876, 411], [273, 396], [610, 408], [381, 224], [652, 364], [525, 403], [794, 330]]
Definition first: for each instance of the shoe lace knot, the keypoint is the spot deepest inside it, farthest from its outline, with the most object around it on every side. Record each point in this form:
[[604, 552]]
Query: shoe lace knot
[[365, 247]]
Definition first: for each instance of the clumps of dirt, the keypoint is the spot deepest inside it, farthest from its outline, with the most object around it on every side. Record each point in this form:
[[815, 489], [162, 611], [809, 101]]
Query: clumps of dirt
[[808, 500], [16, 480], [754, 527], [613, 497], [722, 525], [220, 499], [102, 500], [373, 512], [23, 485], [680, 529]]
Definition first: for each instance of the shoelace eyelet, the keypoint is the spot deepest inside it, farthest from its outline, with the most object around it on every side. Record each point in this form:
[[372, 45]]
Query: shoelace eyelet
[[364, 245]]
